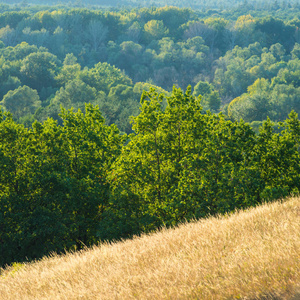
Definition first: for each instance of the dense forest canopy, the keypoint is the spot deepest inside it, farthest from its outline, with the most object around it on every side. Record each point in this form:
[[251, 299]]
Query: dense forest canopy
[[238, 62], [199, 4], [213, 96]]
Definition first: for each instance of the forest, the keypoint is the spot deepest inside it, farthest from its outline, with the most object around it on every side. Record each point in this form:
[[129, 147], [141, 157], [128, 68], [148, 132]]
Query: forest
[[120, 120]]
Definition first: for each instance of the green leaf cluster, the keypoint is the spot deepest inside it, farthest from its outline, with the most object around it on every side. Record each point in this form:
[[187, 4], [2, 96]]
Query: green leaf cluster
[[53, 183], [66, 186], [182, 163]]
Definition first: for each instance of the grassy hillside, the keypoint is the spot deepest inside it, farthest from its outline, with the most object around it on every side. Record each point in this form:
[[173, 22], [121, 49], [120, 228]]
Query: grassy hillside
[[254, 254]]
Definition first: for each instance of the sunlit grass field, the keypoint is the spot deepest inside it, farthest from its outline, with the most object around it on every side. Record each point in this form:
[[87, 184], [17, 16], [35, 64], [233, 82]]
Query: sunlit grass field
[[253, 254]]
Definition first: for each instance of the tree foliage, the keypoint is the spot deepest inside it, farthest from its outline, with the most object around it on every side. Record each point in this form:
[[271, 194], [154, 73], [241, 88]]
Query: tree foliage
[[21, 102], [53, 183], [70, 178]]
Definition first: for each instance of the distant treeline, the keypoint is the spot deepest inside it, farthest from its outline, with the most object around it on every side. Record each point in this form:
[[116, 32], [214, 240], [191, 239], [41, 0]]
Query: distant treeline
[[244, 65], [194, 4]]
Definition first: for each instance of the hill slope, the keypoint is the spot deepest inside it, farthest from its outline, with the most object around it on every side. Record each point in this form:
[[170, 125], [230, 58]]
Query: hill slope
[[251, 254]]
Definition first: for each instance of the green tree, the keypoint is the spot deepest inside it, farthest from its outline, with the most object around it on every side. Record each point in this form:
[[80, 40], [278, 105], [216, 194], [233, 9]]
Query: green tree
[[202, 88], [54, 186], [104, 76], [279, 158], [70, 70], [155, 29], [11, 83], [253, 106], [173, 17], [74, 93], [19, 52], [96, 34], [296, 51], [21, 102], [8, 36], [38, 70], [179, 164], [276, 31], [210, 98], [213, 101], [245, 27]]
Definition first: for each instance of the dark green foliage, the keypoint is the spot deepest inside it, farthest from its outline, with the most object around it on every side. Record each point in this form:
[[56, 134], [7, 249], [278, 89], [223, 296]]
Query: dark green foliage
[[53, 183], [210, 98], [276, 32]]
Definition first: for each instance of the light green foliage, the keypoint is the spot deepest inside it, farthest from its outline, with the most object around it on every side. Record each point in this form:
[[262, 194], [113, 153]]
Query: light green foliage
[[39, 69], [241, 67], [96, 34], [139, 87], [296, 51], [278, 51], [177, 62], [74, 93], [8, 35], [245, 27], [21, 102], [103, 77], [217, 23], [155, 29], [120, 92], [275, 99], [70, 70], [19, 52], [175, 166], [173, 17]]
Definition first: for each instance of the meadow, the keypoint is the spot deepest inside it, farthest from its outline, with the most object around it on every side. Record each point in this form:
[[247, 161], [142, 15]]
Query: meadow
[[250, 254]]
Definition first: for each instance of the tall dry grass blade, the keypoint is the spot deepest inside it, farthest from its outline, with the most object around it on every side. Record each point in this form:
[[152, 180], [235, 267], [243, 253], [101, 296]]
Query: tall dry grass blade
[[253, 254]]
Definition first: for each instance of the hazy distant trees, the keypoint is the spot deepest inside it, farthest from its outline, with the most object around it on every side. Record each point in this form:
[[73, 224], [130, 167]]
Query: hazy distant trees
[[38, 70], [21, 102], [155, 30], [8, 36], [163, 46], [96, 34]]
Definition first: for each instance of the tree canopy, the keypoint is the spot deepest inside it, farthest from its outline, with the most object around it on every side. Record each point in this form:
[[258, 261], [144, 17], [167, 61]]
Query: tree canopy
[[118, 121]]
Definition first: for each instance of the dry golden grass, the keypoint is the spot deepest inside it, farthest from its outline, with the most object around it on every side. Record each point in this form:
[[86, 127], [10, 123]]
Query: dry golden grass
[[253, 254]]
